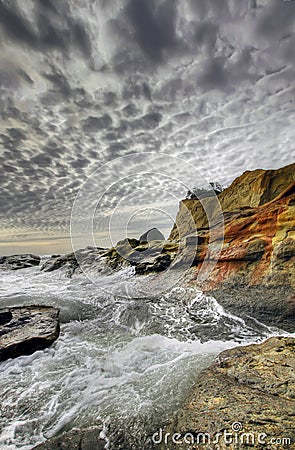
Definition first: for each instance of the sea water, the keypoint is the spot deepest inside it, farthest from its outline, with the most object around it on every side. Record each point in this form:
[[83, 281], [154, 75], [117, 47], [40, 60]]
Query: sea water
[[125, 363]]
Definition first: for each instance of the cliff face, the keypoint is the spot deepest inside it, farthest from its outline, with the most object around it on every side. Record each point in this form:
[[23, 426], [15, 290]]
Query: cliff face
[[250, 190], [254, 271]]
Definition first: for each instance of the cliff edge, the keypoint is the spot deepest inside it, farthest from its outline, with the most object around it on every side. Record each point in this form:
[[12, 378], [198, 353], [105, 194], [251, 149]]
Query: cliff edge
[[252, 242]]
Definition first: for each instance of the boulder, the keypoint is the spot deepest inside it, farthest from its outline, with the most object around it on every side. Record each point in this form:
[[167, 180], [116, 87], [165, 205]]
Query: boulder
[[15, 262], [249, 393], [24, 330], [87, 258], [146, 257], [157, 263], [59, 261]]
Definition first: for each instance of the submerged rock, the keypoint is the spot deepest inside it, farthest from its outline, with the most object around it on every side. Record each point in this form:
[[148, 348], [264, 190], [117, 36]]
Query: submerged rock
[[76, 439], [15, 262], [249, 393], [24, 330]]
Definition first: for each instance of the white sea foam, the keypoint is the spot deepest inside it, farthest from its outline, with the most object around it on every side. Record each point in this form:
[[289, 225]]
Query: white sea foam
[[116, 360]]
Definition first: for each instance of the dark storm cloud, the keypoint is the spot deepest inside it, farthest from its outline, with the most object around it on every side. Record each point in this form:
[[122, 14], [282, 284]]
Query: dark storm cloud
[[15, 25], [56, 29], [154, 26], [59, 81], [205, 33], [277, 20], [213, 74]]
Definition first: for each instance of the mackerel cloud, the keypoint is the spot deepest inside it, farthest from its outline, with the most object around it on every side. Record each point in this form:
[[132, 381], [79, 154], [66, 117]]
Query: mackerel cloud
[[85, 82]]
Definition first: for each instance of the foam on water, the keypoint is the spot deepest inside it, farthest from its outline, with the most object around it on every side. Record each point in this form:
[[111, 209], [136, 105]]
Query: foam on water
[[118, 360]]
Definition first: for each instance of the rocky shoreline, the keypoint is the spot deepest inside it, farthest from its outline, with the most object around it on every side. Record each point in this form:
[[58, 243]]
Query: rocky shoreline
[[246, 399], [252, 247]]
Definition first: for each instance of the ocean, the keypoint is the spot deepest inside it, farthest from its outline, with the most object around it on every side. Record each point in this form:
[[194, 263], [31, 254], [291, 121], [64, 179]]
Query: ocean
[[125, 363]]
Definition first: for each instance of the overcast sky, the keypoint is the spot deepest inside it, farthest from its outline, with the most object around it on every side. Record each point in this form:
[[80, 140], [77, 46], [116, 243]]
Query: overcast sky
[[210, 83]]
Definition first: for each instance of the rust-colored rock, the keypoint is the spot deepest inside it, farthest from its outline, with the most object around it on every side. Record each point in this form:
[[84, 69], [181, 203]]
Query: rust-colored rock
[[255, 269], [250, 190]]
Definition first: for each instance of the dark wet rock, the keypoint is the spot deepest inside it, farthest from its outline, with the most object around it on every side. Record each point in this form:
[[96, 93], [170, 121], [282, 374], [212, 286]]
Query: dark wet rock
[[152, 235], [157, 263], [273, 305], [5, 316], [15, 262], [57, 262], [25, 330], [76, 439], [87, 258], [251, 388], [146, 257]]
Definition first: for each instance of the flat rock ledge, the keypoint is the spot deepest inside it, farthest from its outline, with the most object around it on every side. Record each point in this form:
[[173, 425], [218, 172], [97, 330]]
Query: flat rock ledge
[[24, 330], [248, 393], [16, 262]]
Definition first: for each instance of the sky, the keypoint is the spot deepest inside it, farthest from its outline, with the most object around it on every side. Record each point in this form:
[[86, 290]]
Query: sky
[[110, 110]]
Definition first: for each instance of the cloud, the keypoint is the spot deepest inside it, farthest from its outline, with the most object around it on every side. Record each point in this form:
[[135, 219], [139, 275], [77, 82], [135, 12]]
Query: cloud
[[277, 20], [211, 82], [53, 27], [154, 26]]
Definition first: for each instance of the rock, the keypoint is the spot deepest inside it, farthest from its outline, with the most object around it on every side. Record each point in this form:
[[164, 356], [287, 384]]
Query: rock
[[251, 190], [152, 235], [146, 257], [25, 330], [57, 262], [76, 439], [256, 263], [5, 316], [15, 262], [153, 264], [87, 258], [248, 392], [273, 305]]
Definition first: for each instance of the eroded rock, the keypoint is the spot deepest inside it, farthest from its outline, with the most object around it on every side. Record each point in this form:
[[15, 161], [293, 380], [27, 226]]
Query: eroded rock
[[252, 244], [15, 262], [24, 330], [248, 392]]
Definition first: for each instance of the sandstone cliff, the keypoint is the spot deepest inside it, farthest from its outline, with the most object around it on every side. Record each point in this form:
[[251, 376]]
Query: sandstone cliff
[[250, 190], [254, 272]]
